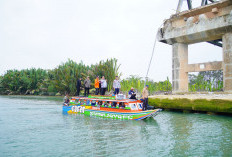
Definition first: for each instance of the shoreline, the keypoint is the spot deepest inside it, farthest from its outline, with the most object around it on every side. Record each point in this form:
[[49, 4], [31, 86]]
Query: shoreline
[[209, 96], [213, 103]]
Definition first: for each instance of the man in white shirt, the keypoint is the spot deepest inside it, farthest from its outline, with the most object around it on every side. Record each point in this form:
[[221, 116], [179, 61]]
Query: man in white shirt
[[116, 85], [103, 85]]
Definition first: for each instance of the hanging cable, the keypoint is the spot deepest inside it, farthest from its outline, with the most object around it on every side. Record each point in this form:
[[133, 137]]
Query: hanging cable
[[153, 50]]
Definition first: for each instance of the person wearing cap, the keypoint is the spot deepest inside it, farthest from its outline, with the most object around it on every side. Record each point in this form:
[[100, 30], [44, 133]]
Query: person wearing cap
[[87, 84], [116, 85], [78, 87], [145, 97], [132, 94], [96, 85]]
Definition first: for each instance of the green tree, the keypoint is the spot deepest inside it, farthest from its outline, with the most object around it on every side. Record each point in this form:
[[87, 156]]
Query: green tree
[[206, 81]]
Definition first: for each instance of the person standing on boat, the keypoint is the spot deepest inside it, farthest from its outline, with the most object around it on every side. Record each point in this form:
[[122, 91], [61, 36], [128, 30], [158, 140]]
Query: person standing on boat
[[87, 84], [103, 85], [78, 86], [96, 85], [145, 94], [116, 85]]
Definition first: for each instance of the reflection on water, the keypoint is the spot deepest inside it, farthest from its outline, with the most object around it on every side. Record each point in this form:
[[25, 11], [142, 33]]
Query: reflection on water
[[37, 127]]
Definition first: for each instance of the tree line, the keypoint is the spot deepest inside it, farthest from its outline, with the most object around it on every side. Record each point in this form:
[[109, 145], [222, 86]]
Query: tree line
[[138, 83], [64, 77], [60, 80]]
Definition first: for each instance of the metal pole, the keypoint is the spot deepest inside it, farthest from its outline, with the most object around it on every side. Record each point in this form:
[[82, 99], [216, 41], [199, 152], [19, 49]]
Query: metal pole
[[189, 4], [179, 6], [203, 2]]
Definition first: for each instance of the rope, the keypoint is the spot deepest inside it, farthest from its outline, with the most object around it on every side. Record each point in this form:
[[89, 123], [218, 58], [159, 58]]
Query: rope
[[153, 50]]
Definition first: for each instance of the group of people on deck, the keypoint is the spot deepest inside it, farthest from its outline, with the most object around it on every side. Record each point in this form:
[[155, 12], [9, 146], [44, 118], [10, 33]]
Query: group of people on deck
[[101, 85]]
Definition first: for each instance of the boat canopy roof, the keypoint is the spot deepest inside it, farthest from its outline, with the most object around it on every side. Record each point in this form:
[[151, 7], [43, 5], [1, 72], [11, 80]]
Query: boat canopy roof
[[106, 99]]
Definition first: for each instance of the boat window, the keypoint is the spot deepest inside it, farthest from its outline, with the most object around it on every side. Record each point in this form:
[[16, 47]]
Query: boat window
[[82, 101], [110, 104], [106, 104], [87, 102], [114, 104], [93, 103], [77, 101], [133, 106], [99, 103], [121, 105], [140, 106]]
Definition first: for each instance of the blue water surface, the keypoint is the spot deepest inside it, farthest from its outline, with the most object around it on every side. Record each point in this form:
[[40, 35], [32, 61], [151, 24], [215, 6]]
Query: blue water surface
[[35, 126]]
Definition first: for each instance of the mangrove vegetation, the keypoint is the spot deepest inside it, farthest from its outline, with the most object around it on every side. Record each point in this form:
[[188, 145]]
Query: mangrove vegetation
[[64, 77], [206, 81]]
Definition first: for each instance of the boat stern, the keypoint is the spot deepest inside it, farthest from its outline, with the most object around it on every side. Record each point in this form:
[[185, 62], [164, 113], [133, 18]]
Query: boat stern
[[147, 114]]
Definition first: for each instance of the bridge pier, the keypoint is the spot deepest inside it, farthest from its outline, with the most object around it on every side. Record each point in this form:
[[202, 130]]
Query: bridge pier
[[227, 60], [179, 63]]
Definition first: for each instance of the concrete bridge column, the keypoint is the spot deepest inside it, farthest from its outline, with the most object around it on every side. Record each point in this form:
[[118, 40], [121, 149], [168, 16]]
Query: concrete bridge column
[[179, 63], [227, 62]]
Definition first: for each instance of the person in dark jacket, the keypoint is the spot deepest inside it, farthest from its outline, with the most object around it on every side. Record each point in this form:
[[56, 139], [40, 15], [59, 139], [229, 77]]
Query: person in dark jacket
[[132, 94], [87, 84], [78, 86]]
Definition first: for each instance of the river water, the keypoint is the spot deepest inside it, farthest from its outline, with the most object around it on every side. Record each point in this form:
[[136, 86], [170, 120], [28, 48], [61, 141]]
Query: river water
[[35, 126]]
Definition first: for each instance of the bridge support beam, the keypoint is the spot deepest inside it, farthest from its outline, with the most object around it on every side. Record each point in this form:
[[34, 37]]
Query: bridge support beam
[[209, 66], [227, 62]]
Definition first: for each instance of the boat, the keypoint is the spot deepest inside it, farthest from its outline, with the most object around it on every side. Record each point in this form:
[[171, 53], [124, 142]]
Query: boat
[[115, 107]]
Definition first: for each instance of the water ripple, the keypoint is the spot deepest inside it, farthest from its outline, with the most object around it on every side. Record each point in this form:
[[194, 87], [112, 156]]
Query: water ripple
[[37, 127]]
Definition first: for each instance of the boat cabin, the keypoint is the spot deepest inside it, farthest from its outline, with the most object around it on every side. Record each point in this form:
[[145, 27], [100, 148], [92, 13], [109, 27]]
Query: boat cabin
[[126, 104]]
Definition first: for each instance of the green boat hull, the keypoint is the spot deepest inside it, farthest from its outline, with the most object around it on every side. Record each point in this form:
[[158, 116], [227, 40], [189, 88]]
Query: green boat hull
[[96, 112]]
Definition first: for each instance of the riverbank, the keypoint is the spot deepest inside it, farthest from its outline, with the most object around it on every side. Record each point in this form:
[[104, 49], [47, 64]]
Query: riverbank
[[209, 103], [206, 103]]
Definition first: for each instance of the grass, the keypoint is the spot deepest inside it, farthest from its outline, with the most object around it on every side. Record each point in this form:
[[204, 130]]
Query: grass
[[215, 105]]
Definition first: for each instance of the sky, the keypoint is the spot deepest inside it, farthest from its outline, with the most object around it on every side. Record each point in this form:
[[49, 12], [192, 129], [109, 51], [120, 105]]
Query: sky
[[46, 33]]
